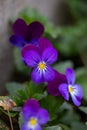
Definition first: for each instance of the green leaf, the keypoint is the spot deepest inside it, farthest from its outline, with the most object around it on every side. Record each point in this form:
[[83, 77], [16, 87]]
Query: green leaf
[[81, 74], [61, 67], [20, 93], [67, 115], [35, 90], [57, 127], [52, 104], [39, 96], [17, 92], [64, 127], [53, 128], [80, 71], [13, 87], [20, 120], [19, 64], [83, 109], [78, 126]]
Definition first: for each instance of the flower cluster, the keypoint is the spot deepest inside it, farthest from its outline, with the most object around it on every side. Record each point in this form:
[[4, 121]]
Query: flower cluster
[[38, 53]]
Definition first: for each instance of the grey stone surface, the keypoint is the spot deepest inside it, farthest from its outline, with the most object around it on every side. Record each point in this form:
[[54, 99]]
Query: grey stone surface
[[10, 8]]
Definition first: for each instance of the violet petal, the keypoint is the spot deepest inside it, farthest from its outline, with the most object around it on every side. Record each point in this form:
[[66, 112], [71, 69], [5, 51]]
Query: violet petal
[[17, 41], [48, 74], [63, 89], [30, 108], [75, 100], [43, 44], [43, 116], [54, 84], [37, 127], [70, 75], [49, 55], [25, 126], [27, 48], [42, 75], [77, 94], [37, 75], [31, 58], [35, 30], [20, 28]]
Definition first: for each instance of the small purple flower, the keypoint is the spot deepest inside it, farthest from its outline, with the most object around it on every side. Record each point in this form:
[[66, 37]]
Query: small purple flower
[[33, 115], [71, 88], [26, 34], [54, 84], [40, 59]]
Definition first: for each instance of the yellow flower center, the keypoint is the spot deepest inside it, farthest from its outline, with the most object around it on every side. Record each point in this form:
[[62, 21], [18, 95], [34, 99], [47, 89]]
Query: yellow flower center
[[70, 89], [42, 65], [33, 121]]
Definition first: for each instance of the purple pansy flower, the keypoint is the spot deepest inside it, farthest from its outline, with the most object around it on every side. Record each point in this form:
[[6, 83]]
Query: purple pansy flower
[[54, 84], [33, 115], [25, 34], [71, 88], [40, 59]]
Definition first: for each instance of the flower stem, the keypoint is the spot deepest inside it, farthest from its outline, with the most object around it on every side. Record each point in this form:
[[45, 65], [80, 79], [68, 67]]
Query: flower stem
[[10, 120]]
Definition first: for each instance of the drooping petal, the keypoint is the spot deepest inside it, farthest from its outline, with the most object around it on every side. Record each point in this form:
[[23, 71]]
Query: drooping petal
[[48, 74], [35, 30], [77, 94], [43, 116], [37, 127], [43, 44], [25, 126], [17, 41], [70, 75], [37, 75], [30, 55], [30, 108], [75, 99], [78, 91], [63, 89], [20, 28], [49, 55], [54, 84]]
